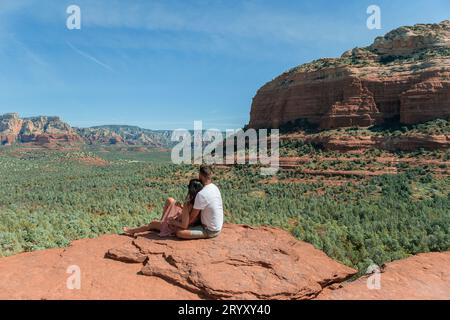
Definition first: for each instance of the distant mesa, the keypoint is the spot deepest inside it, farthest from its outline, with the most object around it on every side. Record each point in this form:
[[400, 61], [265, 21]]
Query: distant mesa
[[52, 131], [37, 130], [403, 76]]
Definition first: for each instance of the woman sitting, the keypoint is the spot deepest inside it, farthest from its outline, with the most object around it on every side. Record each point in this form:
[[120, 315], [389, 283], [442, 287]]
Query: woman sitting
[[176, 216]]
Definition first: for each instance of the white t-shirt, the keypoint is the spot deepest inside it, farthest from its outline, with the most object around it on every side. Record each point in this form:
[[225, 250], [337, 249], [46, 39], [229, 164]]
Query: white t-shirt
[[209, 201]]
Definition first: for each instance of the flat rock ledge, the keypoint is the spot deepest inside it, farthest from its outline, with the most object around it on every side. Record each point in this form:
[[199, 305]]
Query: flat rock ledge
[[425, 276], [242, 263]]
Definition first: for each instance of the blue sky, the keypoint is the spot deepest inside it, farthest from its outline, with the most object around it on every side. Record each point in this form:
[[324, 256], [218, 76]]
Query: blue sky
[[164, 64]]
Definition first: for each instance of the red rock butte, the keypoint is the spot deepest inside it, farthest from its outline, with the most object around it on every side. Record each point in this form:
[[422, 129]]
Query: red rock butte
[[404, 76]]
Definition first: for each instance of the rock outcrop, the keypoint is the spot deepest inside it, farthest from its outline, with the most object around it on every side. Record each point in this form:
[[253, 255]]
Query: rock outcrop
[[242, 263], [42, 131], [10, 126], [404, 75], [424, 277]]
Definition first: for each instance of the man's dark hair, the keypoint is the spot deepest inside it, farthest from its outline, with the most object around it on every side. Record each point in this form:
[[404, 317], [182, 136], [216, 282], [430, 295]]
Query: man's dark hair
[[206, 171]]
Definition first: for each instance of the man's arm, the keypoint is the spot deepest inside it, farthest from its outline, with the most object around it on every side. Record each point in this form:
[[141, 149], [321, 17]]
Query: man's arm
[[193, 216], [187, 218], [199, 204], [184, 223]]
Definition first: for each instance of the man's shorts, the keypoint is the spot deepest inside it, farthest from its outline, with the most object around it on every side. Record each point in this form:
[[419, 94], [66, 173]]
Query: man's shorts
[[201, 232]]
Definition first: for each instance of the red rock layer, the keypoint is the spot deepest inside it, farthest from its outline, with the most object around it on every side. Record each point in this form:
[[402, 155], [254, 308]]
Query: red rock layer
[[341, 98], [45, 139]]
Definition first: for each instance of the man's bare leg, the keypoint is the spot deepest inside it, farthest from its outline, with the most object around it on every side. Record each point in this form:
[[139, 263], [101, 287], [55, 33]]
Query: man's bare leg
[[191, 235]]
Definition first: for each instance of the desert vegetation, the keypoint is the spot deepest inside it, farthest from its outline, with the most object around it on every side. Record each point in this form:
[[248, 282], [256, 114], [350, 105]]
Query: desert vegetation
[[50, 197], [387, 129]]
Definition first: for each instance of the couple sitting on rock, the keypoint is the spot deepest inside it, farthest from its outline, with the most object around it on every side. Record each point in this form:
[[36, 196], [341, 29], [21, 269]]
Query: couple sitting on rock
[[199, 217]]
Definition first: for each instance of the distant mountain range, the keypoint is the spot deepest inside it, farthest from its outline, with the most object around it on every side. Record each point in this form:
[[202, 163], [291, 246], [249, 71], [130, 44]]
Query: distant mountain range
[[131, 135], [43, 130]]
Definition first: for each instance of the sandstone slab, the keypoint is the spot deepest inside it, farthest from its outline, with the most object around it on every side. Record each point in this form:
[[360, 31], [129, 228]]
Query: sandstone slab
[[425, 277], [242, 263], [43, 275]]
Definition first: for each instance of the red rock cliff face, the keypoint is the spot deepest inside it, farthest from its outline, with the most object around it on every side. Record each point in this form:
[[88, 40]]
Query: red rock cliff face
[[10, 126], [405, 75], [36, 130]]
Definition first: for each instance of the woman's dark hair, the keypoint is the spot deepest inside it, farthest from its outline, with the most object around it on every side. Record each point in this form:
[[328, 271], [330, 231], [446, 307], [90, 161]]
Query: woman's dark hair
[[194, 187]]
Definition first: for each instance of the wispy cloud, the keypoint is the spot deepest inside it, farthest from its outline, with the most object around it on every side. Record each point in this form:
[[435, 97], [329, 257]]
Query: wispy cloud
[[242, 19], [30, 55], [89, 57], [248, 28]]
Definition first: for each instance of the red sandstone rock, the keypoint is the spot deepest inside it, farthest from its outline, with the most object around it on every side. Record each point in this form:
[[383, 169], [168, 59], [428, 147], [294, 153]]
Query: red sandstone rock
[[43, 275], [425, 276], [7, 139], [257, 263], [44, 131], [405, 74], [242, 263], [10, 125], [359, 143], [127, 253], [415, 142], [53, 132]]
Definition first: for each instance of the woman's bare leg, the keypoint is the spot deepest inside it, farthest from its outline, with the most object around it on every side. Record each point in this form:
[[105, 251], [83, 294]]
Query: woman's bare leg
[[153, 226], [169, 202]]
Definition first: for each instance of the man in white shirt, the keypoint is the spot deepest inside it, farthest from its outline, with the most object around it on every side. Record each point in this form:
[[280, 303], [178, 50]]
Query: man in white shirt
[[208, 203]]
